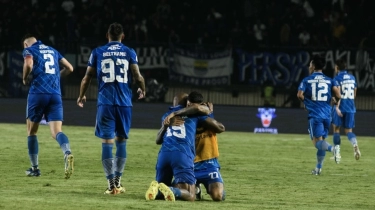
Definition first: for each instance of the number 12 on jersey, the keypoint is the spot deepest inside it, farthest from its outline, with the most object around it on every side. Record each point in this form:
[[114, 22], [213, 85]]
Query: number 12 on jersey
[[320, 94]]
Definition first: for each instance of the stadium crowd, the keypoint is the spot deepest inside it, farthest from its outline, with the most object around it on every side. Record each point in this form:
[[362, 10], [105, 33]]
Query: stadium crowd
[[247, 23]]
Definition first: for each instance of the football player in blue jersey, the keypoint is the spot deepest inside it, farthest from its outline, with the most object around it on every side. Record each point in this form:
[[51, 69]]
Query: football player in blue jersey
[[42, 62], [315, 91], [177, 153], [115, 66], [343, 113], [206, 164]]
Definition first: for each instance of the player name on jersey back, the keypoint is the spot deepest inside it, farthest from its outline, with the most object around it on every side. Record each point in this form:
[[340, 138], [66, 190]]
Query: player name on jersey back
[[107, 54], [319, 79], [352, 81]]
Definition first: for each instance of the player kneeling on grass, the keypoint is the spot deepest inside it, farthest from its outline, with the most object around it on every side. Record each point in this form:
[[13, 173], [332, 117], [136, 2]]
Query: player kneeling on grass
[[206, 164], [176, 156]]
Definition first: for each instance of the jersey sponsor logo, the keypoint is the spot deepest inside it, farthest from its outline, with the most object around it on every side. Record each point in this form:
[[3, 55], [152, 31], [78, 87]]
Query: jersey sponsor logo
[[114, 47], [42, 46], [319, 77]]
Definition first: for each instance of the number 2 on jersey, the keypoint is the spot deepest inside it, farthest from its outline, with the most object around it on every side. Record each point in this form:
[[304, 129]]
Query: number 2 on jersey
[[48, 65], [319, 95], [108, 66]]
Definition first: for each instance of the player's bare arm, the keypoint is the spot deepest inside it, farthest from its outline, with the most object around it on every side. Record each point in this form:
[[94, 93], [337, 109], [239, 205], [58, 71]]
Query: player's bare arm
[[161, 132], [338, 111], [175, 121], [300, 95], [213, 125], [336, 93], [85, 83], [67, 67], [139, 80], [210, 106], [190, 110], [27, 68]]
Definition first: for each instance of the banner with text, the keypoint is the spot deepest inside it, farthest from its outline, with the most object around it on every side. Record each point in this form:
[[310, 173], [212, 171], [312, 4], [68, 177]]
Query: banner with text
[[286, 68], [200, 67]]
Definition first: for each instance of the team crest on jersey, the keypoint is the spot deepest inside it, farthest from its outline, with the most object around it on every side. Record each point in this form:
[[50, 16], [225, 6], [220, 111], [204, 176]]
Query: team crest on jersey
[[114, 47]]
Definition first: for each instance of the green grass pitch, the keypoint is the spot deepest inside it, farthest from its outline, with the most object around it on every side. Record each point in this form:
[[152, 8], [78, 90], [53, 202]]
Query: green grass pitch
[[261, 171]]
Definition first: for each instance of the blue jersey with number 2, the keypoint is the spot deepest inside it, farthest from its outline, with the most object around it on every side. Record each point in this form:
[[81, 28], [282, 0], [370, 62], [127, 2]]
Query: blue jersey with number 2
[[111, 62], [317, 89], [46, 71]]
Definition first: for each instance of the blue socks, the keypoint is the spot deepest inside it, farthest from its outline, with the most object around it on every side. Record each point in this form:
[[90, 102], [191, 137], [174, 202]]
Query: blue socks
[[33, 146], [323, 145], [63, 141], [107, 160], [336, 139], [120, 158], [176, 191], [320, 154], [352, 138]]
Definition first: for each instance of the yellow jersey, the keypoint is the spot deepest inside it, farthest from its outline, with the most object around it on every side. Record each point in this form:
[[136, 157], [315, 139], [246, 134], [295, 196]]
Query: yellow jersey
[[206, 146]]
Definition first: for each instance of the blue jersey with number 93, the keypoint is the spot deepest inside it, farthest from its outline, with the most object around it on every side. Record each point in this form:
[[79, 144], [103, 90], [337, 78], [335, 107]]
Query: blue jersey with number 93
[[111, 62], [317, 90], [46, 71]]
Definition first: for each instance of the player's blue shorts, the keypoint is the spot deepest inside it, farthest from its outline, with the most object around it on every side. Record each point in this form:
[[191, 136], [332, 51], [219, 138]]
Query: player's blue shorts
[[318, 127], [346, 121], [208, 176], [113, 121], [49, 105], [176, 165]]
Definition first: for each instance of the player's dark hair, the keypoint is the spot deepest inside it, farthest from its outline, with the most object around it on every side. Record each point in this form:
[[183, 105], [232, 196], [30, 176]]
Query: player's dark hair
[[195, 97], [26, 36], [340, 64], [319, 62], [115, 31]]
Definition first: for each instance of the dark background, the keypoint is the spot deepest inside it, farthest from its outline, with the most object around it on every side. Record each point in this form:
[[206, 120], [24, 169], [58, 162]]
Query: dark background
[[148, 115]]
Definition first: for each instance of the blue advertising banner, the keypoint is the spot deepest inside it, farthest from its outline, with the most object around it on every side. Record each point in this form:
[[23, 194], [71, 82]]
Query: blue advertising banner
[[291, 66]]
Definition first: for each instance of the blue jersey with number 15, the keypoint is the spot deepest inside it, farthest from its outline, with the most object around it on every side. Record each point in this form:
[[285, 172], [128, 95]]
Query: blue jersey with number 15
[[181, 138], [46, 71], [111, 62], [317, 89]]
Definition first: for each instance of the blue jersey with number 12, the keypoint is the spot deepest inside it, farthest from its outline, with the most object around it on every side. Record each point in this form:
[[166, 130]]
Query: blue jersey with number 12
[[317, 89], [111, 62], [46, 71]]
